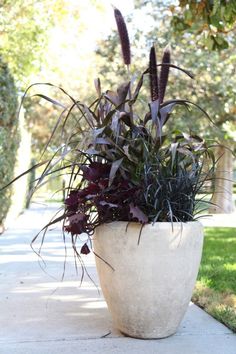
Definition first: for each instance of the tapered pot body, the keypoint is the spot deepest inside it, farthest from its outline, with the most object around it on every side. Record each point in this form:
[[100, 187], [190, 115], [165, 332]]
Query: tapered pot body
[[147, 278]]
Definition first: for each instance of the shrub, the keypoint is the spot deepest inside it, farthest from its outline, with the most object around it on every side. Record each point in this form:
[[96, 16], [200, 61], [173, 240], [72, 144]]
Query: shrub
[[9, 136]]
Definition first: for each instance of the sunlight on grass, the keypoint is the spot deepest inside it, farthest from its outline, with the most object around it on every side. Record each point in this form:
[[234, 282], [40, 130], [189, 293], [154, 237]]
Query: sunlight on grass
[[215, 290]]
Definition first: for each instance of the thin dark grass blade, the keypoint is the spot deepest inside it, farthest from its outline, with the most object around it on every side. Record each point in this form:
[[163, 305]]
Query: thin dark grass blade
[[140, 82], [140, 233], [25, 173], [187, 72], [177, 101], [49, 100], [83, 266], [52, 222], [53, 133], [96, 255]]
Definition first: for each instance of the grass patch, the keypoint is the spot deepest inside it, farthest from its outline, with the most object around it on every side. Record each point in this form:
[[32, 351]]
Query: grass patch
[[215, 290]]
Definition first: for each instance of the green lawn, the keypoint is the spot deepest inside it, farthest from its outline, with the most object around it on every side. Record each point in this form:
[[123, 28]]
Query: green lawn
[[215, 290]]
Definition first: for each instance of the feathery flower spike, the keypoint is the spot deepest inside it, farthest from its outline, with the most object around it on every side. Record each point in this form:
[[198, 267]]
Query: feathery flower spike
[[124, 37], [164, 73], [153, 74]]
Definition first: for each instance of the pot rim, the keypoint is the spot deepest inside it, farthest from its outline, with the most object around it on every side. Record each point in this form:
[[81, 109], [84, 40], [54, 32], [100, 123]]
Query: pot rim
[[163, 224]]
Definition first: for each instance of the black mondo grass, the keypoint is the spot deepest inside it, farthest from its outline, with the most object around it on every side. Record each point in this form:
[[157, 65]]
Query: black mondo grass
[[125, 169]]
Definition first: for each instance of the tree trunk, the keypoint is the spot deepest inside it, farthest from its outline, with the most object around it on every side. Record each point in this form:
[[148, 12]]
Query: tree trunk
[[223, 184]]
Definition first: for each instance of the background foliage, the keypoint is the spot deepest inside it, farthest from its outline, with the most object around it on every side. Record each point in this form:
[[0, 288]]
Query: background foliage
[[9, 136]]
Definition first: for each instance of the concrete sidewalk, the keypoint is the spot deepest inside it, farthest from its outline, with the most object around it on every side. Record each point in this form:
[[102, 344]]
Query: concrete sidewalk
[[39, 314]]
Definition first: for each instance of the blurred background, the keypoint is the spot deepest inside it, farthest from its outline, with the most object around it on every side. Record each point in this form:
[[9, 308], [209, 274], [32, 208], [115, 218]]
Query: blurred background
[[69, 43]]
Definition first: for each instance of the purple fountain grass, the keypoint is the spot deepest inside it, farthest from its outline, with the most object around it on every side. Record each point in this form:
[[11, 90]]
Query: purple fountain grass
[[131, 166], [153, 74], [164, 74], [124, 36]]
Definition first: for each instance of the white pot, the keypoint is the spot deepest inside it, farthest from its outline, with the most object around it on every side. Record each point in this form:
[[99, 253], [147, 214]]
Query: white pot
[[149, 290]]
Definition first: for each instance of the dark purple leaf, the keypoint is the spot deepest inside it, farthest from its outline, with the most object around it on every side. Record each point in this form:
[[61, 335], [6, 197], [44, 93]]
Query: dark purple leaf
[[76, 218], [122, 92], [138, 214], [97, 132], [147, 117], [165, 112], [95, 171], [91, 190], [114, 167], [72, 199], [101, 141], [138, 87], [186, 103], [103, 183], [85, 249], [92, 151], [113, 97], [125, 117], [154, 107], [97, 84], [111, 205]]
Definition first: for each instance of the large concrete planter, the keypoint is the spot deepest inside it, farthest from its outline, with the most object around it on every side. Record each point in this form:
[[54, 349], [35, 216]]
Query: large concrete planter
[[149, 290]]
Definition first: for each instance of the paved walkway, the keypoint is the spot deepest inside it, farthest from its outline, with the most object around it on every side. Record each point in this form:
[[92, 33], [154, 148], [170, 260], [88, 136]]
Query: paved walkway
[[39, 314]]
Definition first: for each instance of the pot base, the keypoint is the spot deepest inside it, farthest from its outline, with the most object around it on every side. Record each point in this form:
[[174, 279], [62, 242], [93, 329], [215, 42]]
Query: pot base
[[145, 336]]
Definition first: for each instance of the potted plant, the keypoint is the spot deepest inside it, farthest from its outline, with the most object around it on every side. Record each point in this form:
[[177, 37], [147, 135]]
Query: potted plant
[[134, 190]]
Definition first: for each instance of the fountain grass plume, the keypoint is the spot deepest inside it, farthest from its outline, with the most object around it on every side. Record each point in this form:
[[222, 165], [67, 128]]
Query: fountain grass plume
[[124, 36], [153, 74]]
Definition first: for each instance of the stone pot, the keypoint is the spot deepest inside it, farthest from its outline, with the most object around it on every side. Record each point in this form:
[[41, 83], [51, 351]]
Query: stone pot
[[148, 286]]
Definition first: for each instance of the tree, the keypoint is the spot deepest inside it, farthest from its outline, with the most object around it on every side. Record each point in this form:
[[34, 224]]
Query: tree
[[24, 26], [23, 29], [212, 21], [213, 25]]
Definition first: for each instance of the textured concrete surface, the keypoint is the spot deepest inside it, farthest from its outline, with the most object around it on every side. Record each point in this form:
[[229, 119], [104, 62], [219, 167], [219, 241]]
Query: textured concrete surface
[[40, 314]]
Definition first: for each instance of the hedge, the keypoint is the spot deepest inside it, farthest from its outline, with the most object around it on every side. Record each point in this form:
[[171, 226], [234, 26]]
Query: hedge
[[9, 135]]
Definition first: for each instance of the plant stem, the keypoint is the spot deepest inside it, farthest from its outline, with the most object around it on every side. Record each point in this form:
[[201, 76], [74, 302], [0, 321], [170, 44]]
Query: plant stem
[[130, 95]]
